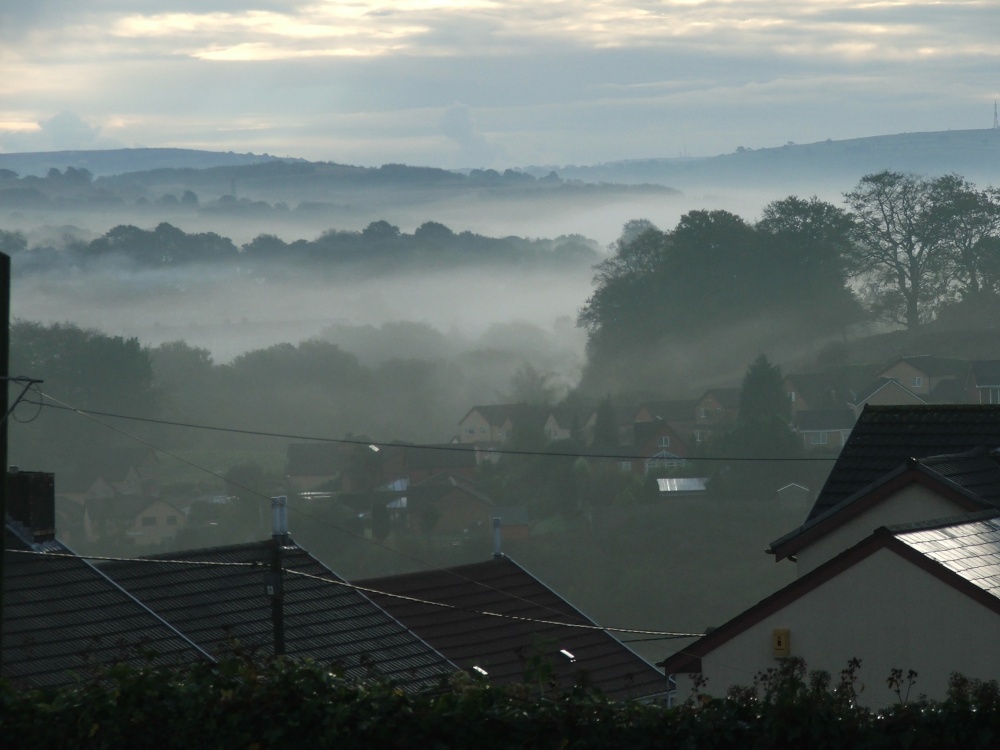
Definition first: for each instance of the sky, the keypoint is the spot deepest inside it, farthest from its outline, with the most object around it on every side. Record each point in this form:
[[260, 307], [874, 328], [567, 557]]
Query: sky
[[482, 83]]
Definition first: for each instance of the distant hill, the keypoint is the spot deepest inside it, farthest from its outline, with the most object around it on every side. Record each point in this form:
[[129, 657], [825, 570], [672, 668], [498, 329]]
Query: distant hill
[[974, 154], [122, 160]]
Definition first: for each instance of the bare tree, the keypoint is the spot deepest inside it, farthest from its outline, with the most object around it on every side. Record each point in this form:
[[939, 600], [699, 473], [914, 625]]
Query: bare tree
[[899, 252]]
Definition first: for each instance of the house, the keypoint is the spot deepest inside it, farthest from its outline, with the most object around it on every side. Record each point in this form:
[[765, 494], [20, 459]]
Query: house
[[984, 382], [883, 392], [312, 465], [823, 429], [419, 463], [894, 561], [816, 390], [884, 437], [657, 446], [918, 489], [62, 617], [496, 423], [448, 507], [715, 410], [131, 519], [501, 623], [935, 379], [679, 414], [919, 597]]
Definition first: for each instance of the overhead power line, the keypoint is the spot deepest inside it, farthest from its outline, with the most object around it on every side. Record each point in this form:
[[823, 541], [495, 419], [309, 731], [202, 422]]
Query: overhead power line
[[492, 451], [665, 634]]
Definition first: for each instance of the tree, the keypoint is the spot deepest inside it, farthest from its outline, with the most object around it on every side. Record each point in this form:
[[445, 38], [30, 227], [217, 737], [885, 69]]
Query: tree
[[606, 425], [966, 221], [899, 250], [762, 394], [806, 244], [531, 386]]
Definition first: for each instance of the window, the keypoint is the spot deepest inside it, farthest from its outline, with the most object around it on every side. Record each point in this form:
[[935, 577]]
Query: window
[[664, 441], [819, 438], [702, 413], [791, 397], [482, 430], [171, 520], [918, 382], [625, 465], [470, 430], [149, 520], [697, 436]]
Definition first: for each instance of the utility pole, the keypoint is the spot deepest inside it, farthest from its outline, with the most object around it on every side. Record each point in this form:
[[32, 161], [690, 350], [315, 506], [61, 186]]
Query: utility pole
[[4, 387], [275, 584]]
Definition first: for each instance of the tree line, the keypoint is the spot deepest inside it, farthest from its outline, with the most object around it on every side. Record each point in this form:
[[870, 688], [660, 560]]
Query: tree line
[[380, 245], [904, 250]]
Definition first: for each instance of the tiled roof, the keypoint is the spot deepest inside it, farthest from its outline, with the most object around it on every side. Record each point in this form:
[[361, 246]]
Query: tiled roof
[[728, 398], [812, 420], [974, 475], [673, 411], [504, 647], [877, 385], [986, 372], [61, 617], [331, 624], [885, 436], [936, 367], [969, 549], [976, 470]]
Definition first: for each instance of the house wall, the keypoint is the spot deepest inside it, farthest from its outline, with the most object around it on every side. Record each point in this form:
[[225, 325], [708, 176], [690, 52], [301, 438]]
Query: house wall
[[885, 611], [154, 524], [912, 503], [460, 511], [906, 374], [475, 428], [889, 395]]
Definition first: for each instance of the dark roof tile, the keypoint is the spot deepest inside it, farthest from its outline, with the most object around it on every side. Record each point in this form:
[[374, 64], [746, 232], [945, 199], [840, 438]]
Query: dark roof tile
[[504, 646], [885, 436], [330, 623]]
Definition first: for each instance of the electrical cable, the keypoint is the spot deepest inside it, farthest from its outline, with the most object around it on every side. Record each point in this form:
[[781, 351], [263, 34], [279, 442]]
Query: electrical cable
[[410, 446], [261, 496], [364, 590]]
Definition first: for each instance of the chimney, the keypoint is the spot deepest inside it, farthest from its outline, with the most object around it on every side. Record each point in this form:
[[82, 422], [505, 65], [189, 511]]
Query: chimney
[[31, 502], [497, 539], [279, 519]]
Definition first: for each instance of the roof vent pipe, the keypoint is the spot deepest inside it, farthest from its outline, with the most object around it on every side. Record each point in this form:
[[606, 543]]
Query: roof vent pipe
[[497, 546], [279, 518]]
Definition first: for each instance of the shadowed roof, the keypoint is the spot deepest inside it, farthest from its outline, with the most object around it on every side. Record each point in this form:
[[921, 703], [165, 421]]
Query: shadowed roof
[[504, 647], [885, 436], [332, 624], [62, 617]]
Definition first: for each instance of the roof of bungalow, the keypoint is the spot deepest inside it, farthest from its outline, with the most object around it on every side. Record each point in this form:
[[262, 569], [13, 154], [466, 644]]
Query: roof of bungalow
[[62, 618], [497, 620], [217, 598]]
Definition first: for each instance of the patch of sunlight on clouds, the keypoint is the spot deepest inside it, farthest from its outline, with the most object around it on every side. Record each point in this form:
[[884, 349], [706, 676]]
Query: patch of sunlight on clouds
[[19, 126]]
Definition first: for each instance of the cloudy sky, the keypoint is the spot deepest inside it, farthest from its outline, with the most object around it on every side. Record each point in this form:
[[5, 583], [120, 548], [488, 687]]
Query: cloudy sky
[[495, 83]]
